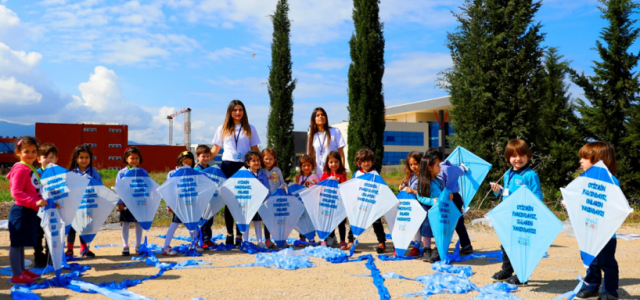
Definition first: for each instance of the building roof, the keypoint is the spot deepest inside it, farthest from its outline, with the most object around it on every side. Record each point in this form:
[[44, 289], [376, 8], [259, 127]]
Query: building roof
[[428, 105]]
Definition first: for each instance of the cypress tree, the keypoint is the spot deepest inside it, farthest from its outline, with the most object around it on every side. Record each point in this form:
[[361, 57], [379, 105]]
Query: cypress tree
[[559, 136], [281, 85], [366, 99], [496, 77], [610, 103]]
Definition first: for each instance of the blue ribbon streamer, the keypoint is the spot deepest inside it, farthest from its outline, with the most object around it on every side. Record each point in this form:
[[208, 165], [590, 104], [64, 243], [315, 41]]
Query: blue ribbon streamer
[[378, 281], [462, 271], [384, 257], [455, 257], [251, 248], [279, 261], [571, 294]]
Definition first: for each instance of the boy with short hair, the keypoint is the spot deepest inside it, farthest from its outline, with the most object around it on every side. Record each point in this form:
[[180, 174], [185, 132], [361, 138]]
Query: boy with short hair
[[203, 154], [365, 158], [47, 154]]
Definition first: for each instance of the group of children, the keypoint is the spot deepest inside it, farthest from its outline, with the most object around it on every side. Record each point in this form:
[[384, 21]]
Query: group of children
[[426, 175]]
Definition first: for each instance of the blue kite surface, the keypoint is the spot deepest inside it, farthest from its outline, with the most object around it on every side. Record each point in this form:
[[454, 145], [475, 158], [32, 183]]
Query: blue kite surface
[[280, 213], [97, 203], [406, 221], [65, 188], [216, 203], [526, 228], [188, 192], [54, 227], [280, 261], [472, 179], [140, 194], [366, 198], [443, 218], [304, 225]]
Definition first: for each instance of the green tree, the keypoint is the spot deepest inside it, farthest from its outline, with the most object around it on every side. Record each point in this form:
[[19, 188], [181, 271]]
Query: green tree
[[559, 135], [366, 99], [496, 78], [281, 85], [609, 110]]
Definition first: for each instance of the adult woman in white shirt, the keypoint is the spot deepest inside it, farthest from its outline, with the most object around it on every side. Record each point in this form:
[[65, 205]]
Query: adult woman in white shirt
[[323, 139], [237, 137]]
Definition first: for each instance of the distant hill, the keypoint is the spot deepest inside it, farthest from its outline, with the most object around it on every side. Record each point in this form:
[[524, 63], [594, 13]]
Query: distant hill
[[17, 130], [132, 143]]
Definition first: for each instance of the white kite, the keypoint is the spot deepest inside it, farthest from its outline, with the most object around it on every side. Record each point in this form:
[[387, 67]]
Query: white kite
[[243, 193], [597, 207], [188, 193], [53, 227], [140, 194], [325, 207], [216, 203], [304, 225], [406, 223], [97, 203], [366, 198], [64, 188], [280, 213]]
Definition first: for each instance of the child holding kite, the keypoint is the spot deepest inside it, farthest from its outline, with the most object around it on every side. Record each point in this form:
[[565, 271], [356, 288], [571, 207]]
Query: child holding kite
[[429, 189], [24, 183], [133, 158], [274, 176], [253, 161], [334, 169], [365, 158], [605, 261], [410, 184], [82, 164], [518, 154], [449, 174], [307, 176], [203, 154], [47, 154], [185, 159]]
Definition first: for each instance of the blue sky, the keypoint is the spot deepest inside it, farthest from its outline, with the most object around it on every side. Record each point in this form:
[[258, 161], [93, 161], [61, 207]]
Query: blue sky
[[134, 62]]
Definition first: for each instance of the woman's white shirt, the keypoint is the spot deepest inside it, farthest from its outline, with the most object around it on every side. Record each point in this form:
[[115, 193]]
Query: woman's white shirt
[[244, 143], [321, 149]]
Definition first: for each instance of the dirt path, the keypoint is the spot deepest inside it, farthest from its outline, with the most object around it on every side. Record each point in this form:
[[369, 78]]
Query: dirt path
[[553, 276]]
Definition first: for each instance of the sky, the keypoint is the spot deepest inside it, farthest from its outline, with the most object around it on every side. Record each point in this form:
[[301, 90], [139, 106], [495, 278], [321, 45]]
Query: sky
[[135, 62]]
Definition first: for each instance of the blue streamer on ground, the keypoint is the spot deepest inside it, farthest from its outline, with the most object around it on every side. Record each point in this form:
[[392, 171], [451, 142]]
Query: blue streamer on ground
[[455, 257], [378, 280], [280, 261], [23, 293], [462, 271], [251, 248], [384, 257], [497, 291]]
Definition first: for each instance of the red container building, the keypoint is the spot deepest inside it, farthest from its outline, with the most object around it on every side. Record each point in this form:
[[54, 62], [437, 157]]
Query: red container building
[[108, 143], [7, 154]]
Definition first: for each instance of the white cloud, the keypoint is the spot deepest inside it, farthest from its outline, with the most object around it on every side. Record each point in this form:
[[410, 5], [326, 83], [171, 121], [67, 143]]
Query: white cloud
[[17, 93], [415, 69], [52, 2], [132, 51], [12, 62], [133, 13], [224, 53], [328, 64], [8, 18]]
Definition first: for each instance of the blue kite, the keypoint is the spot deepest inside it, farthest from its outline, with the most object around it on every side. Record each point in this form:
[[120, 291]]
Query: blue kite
[[526, 228], [443, 217], [64, 188], [188, 193], [304, 225], [97, 203], [472, 179], [243, 193], [215, 205], [140, 194], [325, 206], [54, 232], [406, 222], [280, 213]]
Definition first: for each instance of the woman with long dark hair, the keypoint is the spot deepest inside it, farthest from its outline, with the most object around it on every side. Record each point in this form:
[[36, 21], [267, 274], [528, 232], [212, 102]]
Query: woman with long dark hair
[[323, 139], [237, 137]]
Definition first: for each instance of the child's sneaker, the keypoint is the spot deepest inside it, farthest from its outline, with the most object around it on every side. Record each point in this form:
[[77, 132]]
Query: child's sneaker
[[500, 276], [262, 245], [31, 274], [515, 281], [414, 252], [229, 240], [89, 254], [343, 245], [606, 296], [22, 279], [209, 244], [138, 250], [466, 250], [427, 255], [238, 241], [271, 245], [167, 251], [323, 243], [125, 251], [68, 252], [330, 241], [382, 247], [435, 256], [199, 249], [586, 294]]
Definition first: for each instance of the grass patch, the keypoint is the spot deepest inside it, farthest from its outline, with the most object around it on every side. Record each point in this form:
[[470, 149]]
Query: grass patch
[[5, 192]]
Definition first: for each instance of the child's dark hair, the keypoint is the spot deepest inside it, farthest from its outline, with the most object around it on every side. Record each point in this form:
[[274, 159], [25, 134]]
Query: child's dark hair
[[424, 177], [25, 141], [306, 158], [184, 155], [517, 146], [129, 151], [271, 152], [73, 164], [250, 154], [336, 155], [435, 152], [600, 151], [202, 149], [365, 154], [46, 149], [417, 156]]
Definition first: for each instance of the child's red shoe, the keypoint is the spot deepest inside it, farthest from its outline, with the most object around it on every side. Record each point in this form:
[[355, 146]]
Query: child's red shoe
[[414, 252], [22, 279], [31, 274]]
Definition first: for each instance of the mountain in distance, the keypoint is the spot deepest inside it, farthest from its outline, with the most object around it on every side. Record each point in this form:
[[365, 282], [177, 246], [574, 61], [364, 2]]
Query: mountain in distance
[[14, 129]]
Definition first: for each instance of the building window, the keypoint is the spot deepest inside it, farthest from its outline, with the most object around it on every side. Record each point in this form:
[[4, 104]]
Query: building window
[[115, 130], [115, 145], [90, 129], [94, 157], [403, 138], [394, 158], [434, 137]]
